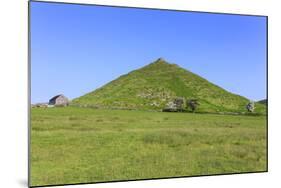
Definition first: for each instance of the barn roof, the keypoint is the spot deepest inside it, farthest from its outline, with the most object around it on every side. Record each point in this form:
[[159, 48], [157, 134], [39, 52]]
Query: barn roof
[[57, 97]]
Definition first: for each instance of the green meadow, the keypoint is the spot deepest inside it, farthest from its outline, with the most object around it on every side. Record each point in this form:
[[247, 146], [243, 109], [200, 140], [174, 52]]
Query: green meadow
[[71, 145]]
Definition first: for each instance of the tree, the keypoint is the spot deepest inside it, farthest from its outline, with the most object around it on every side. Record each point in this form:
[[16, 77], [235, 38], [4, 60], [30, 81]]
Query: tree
[[177, 105], [250, 106], [192, 104], [179, 102]]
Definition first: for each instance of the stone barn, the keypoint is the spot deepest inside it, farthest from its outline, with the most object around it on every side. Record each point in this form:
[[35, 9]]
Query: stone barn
[[59, 100]]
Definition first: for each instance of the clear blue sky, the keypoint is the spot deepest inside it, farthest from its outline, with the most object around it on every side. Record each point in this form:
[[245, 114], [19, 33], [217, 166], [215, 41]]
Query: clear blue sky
[[76, 49]]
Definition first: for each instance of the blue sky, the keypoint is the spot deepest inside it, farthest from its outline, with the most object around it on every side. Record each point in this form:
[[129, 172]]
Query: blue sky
[[76, 49]]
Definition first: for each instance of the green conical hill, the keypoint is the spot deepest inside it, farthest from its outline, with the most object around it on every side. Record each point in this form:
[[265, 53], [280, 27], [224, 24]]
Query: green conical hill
[[153, 86]]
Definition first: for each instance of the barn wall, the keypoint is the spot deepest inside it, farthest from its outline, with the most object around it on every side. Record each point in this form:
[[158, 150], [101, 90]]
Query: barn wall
[[61, 101]]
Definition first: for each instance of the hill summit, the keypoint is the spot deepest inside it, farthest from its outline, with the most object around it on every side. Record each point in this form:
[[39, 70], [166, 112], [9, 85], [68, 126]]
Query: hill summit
[[154, 85]]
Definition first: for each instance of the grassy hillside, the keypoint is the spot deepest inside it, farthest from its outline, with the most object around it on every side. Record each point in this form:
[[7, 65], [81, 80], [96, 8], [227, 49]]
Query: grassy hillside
[[79, 145], [153, 86], [263, 101]]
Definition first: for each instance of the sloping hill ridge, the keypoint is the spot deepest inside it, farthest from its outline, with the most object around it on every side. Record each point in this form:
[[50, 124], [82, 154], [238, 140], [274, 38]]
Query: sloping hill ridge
[[264, 101], [154, 85]]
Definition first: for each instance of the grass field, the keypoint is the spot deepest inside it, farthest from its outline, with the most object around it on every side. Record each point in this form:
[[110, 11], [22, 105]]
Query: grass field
[[75, 145]]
